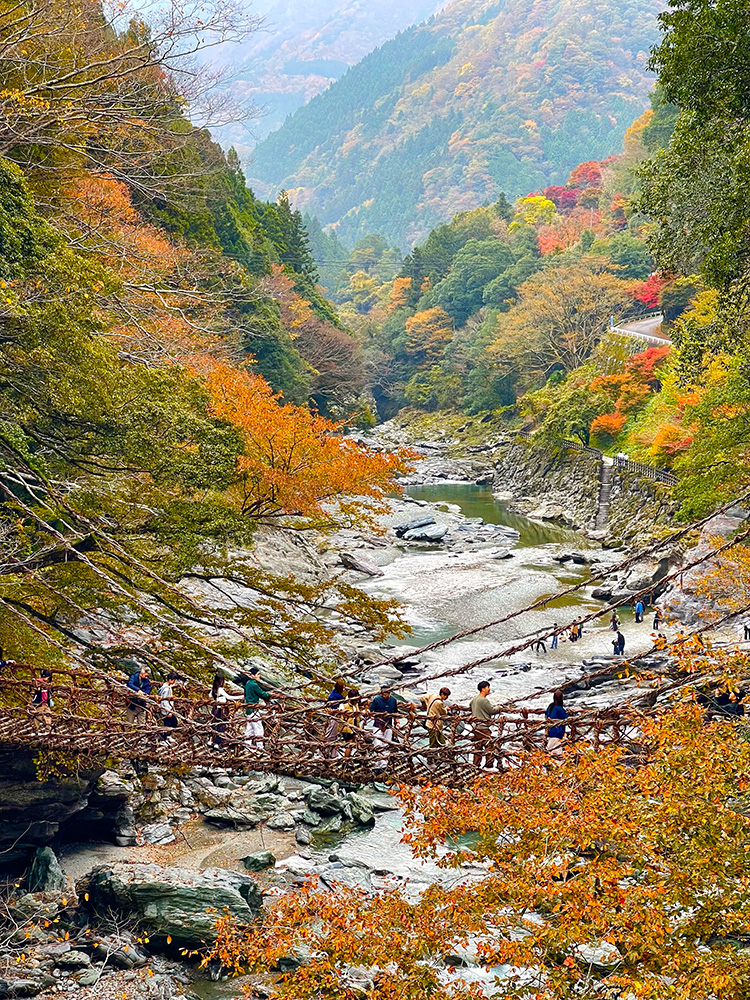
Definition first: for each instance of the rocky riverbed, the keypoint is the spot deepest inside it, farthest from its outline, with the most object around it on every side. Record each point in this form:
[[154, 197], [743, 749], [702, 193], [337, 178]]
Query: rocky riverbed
[[139, 854]]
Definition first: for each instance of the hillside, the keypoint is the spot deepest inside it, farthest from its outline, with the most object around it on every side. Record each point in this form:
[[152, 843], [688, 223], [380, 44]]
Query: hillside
[[483, 98], [303, 47]]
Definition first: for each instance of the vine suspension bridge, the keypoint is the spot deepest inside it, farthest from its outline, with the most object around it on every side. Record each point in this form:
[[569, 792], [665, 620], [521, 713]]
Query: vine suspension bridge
[[88, 719]]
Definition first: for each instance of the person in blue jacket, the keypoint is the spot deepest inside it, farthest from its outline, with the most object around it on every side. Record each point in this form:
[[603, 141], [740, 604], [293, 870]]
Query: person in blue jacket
[[140, 681], [556, 734]]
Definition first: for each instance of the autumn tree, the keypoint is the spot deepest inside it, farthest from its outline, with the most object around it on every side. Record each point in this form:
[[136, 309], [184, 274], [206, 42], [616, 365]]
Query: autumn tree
[[131, 482], [84, 91], [599, 879], [427, 334], [562, 313]]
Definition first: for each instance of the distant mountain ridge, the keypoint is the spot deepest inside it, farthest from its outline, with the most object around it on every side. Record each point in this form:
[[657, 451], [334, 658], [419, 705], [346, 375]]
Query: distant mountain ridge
[[304, 45], [486, 96]]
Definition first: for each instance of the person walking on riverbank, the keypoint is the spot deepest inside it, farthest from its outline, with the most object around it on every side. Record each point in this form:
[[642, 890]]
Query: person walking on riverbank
[[556, 734], [140, 682], [614, 622], [659, 621], [555, 637], [618, 643], [639, 611], [254, 731], [482, 711]]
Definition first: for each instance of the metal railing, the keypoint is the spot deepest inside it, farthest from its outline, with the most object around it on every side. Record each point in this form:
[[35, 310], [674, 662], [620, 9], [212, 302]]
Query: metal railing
[[647, 471], [580, 446], [649, 338], [639, 468]]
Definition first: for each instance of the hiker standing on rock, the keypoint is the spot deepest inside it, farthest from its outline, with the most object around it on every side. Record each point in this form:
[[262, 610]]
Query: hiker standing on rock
[[254, 731]]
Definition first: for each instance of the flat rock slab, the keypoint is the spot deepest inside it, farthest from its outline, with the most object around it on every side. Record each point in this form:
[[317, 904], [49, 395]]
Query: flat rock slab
[[169, 902], [417, 522], [360, 563], [429, 533]]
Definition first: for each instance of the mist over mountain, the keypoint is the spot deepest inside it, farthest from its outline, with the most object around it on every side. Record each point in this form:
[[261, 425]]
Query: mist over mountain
[[486, 96], [305, 45]]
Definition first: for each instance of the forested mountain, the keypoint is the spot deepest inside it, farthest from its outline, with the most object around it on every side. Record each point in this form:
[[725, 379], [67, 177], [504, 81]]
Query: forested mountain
[[485, 97], [302, 47], [152, 312]]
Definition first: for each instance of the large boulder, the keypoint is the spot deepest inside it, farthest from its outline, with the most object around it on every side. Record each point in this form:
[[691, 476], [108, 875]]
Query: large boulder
[[360, 563], [177, 903], [647, 573], [361, 809], [417, 522], [232, 817], [45, 873], [259, 861], [429, 533], [325, 802]]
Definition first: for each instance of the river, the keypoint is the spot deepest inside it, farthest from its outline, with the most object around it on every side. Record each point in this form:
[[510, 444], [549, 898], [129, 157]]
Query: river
[[446, 592]]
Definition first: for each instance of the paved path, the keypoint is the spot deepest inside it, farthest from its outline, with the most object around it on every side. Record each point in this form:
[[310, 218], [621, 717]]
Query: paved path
[[649, 329]]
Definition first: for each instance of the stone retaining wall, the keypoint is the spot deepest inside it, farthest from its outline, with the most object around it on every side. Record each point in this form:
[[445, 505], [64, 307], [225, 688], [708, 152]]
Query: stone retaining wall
[[563, 485]]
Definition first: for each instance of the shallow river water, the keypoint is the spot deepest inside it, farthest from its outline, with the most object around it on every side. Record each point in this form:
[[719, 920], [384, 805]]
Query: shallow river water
[[447, 592]]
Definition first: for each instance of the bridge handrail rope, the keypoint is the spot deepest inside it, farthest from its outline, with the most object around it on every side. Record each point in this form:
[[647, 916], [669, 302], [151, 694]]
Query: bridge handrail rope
[[88, 723]]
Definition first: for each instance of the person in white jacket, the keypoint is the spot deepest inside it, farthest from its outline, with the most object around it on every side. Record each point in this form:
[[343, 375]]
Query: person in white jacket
[[220, 699]]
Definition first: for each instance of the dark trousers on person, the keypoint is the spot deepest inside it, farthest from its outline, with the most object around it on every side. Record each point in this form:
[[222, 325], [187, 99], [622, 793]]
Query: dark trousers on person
[[436, 738], [482, 738], [169, 722]]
